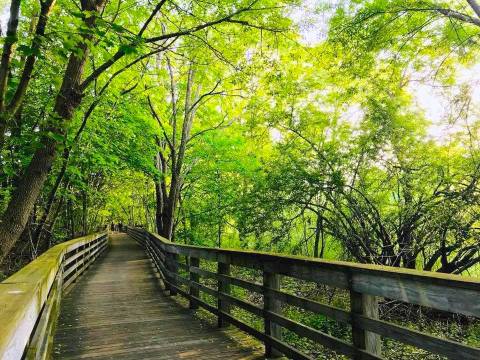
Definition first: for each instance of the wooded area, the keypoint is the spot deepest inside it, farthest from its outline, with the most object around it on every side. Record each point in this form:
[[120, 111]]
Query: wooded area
[[333, 129]]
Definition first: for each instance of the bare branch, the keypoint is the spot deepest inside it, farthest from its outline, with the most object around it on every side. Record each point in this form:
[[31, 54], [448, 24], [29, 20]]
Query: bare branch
[[10, 40], [117, 56], [216, 127], [150, 18], [475, 6], [203, 96], [155, 115]]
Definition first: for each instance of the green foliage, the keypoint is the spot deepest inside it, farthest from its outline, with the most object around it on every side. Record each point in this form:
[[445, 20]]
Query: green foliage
[[318, 150]]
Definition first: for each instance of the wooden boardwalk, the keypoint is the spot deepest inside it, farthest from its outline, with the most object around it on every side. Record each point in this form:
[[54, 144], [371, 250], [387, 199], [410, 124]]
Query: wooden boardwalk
[[118, 311]]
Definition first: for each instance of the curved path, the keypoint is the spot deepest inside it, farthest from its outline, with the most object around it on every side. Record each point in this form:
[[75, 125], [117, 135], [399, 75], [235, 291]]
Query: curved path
[[118, 311]]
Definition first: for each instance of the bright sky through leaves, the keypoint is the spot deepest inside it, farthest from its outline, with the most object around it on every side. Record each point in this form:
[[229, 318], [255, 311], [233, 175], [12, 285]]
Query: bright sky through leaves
[[433, 98]]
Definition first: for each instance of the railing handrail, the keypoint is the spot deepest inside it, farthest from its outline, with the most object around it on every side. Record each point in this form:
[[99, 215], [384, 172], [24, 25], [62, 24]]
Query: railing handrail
[[24, 294], [446, 292], [453, 280], [353, 270]]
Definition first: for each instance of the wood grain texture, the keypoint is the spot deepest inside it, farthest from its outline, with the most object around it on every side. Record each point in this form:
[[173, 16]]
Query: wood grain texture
[[23, 295], [452, 293], [365, 282], [118, 311]]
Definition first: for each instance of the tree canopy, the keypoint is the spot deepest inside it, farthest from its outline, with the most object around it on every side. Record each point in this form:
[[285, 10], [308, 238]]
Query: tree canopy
[[335, 129]]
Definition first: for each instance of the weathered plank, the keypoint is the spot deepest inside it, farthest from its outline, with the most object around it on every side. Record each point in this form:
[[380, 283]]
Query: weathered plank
[[271, 304], [24, 294], [223, 287], [446, 292], [365, 282], [117, 310]]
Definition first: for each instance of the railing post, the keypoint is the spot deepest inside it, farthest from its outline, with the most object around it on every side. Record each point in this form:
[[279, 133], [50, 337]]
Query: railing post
[[366, 305], [271, 281], [194, 291], [77, 264], [224, 287], [172, 267]]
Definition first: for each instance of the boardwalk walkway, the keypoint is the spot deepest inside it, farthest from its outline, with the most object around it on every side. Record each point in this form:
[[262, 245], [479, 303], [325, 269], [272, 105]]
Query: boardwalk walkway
[[118, 311]]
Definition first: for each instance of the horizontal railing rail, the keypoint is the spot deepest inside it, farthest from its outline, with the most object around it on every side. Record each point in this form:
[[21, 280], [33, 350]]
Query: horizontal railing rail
[[30, 298], [364, 283]]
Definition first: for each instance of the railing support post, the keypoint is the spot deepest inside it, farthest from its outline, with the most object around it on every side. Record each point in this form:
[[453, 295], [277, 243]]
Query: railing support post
[[194, 291], [271, 281], [223, 287], [172, 267], [366, 305]]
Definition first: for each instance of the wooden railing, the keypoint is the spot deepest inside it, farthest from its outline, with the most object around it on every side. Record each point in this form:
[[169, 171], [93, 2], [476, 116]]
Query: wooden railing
[[365, 283], [30, 299]]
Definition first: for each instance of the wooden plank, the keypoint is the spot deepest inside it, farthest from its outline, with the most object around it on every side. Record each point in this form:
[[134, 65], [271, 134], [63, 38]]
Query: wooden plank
[[436, 345], [74, 256], [283, 347], [80, 261], [248, 285], [326, 340], [271, 304], [223, 287], [441, 295], [366, 282], [40, 344], [83, 267], [227, 299], [118, 311], [367, 305], [172, 266], [194, 262], [204, 273], [418, 287], [310, 305], [23, 295]]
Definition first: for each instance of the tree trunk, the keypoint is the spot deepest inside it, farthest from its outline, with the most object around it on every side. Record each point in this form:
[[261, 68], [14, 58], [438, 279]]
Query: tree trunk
[[24, 197], [319, 238], [158, 207], [44, 241], [70, 219], [51, 198], [219, 234], [8, 45], [160, 192], [68, 100], [167, 220], [84, 213]]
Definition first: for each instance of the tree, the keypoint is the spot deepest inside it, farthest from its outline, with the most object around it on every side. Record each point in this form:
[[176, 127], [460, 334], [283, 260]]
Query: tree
[[93, 27]]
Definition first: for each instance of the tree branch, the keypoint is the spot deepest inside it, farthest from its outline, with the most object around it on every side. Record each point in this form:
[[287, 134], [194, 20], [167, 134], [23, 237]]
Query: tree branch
[[16, 102], [10, 40], [150, 18], [475, 6], [155, 115]]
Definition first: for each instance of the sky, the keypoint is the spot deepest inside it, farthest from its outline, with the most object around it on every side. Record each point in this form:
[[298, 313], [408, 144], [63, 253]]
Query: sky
[[312, 17]]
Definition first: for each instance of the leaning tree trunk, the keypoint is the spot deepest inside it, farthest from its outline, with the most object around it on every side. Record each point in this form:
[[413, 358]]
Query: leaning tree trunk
[[44, 241], [31, 183], [51, 198], [23, 198]]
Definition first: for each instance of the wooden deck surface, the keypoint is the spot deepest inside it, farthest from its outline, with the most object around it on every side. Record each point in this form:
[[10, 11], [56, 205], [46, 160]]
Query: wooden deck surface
[[118, 311]]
